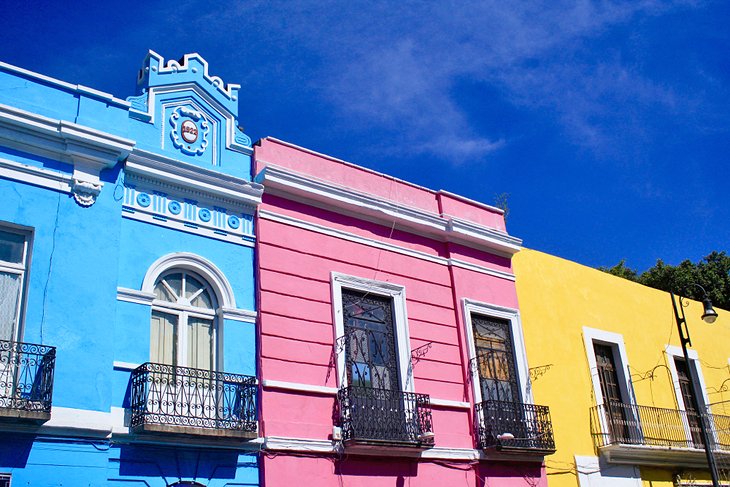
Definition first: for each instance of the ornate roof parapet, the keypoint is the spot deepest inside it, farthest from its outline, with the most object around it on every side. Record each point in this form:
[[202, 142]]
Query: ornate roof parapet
[[192, 68]]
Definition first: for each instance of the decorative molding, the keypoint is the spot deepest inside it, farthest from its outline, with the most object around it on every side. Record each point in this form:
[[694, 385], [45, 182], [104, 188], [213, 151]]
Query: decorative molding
[[237, 314], [125, 365], [188, 215], [178, 177], [35, 175], [332, 232], [87, 149], [203, 267], [447, 403], [189, 131], [297, 387], [81, 89], [135, 296], [658, 456], [310, 445], [288, 183]]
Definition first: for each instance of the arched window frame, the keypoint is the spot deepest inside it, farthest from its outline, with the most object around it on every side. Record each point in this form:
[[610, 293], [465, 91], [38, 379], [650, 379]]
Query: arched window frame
[[211, 277]]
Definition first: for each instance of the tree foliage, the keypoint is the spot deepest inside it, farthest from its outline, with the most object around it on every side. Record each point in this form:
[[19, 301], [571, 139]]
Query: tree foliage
[[712, 273]]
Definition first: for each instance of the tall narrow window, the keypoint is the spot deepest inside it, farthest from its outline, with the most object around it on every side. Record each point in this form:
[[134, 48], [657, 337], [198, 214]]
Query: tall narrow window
[[495, 359], [183, 331], [13, 271], [613, 402], [690, 400], [370, 349]]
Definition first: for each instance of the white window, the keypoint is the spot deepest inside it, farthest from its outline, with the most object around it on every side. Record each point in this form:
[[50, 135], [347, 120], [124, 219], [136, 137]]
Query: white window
[[496, 353], [609, 366], [4, 480], [183, 328], [370, 316], [14, 250]]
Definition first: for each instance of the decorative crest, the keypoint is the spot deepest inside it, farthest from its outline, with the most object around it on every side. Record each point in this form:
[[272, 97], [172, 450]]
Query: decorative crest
[[189, 130]]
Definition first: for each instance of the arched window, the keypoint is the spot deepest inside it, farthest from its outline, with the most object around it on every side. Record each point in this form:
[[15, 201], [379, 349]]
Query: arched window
[[186, 483], [183, 329]]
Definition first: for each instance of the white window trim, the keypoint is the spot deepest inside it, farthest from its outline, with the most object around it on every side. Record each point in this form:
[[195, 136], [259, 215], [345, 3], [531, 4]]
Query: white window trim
[[673, 351], [403, 341], [591, 335], [192, 262], [22, 270], [470, 307]]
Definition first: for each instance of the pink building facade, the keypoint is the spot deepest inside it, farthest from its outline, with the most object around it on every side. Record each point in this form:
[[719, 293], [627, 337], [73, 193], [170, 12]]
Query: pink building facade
[[390, 345]]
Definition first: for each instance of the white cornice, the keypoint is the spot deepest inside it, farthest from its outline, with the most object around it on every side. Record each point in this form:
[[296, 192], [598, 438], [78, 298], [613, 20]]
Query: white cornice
[[658, 456], [290, 184], [186, 177], [87, 149], [85, 90], [311, 445], [333, 232], [36, 175], [135, 296]]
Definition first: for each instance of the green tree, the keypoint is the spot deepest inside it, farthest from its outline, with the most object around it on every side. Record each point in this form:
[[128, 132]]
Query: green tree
[[712, 273]]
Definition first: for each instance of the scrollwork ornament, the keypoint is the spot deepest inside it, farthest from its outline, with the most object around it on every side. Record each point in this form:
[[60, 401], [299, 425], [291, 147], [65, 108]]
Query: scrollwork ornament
[[85, 192], [189, 131]]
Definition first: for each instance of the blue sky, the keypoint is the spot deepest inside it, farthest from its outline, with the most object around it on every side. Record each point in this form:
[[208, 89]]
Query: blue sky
[[606, 122]]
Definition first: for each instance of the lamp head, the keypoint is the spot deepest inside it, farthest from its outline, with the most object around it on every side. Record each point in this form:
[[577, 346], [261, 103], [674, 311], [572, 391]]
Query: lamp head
[[710, 315]]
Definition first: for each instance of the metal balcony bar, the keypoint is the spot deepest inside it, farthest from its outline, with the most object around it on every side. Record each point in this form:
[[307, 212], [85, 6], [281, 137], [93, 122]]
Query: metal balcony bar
[[514, 426], [26, 379], [182, 399], [630, 424], [381, 416]]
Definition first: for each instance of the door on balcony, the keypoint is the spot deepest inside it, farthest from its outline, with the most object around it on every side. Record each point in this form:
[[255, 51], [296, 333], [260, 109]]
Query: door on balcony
[[371, 359], [183, 340], [691, 402], [495, 359], [13, 258], [613, 400]]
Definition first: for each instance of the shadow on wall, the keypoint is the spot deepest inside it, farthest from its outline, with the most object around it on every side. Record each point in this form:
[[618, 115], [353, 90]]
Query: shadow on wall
[[173, 464], [399, 471], [505, 474], [15, 449]]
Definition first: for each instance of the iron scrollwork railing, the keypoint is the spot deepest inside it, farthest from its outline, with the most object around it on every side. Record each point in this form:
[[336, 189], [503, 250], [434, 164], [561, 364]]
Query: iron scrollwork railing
[[631, 424], [371, 415], [195, 398], [26, 376], [515, 426]]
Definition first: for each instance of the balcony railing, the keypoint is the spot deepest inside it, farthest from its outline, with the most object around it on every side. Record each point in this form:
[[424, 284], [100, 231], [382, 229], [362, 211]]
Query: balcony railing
[[26, 380], [171, 399], [514, 426], [630, 424], [370, 416]]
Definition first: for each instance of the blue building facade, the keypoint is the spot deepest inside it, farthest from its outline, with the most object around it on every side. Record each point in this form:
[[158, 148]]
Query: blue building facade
[[127, 294]]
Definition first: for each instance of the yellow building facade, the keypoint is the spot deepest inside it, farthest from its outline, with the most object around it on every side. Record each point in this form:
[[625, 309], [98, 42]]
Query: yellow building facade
[[605, 355]]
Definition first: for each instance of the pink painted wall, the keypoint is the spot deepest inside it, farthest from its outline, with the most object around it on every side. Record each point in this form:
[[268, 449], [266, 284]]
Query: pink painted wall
[[296, 331]]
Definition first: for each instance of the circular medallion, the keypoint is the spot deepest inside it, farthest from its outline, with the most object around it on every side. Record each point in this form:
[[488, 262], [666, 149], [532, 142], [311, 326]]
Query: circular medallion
[[204, 214], [174, 207], [189, 131], [144, 200], [233, 221]]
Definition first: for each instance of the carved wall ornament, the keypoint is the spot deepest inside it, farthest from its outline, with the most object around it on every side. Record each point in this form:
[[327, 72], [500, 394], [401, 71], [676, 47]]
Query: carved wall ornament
[[189, 131], [85, 192]]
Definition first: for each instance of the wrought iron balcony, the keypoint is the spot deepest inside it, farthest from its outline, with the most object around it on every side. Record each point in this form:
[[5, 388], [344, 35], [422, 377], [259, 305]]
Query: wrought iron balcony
[[26, 380], [182, 400], [514, 427], [631, 424], [370, 416], [636, 431]]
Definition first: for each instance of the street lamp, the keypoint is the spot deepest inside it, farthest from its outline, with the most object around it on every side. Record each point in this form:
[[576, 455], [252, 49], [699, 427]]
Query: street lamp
[[709, 316]]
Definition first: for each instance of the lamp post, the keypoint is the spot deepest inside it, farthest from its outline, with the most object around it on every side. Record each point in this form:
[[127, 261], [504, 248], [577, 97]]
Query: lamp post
[[709, 316]]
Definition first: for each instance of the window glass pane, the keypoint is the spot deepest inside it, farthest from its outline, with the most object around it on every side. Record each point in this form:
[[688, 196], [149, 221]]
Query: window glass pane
[[9, 297], [11, 247], [203, 300], [200, 343], [163, 294], [163, 338], [175, 282]]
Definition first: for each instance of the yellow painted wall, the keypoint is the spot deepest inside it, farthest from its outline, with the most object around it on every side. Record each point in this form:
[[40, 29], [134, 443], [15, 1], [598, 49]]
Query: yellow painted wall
[[557, 299]]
